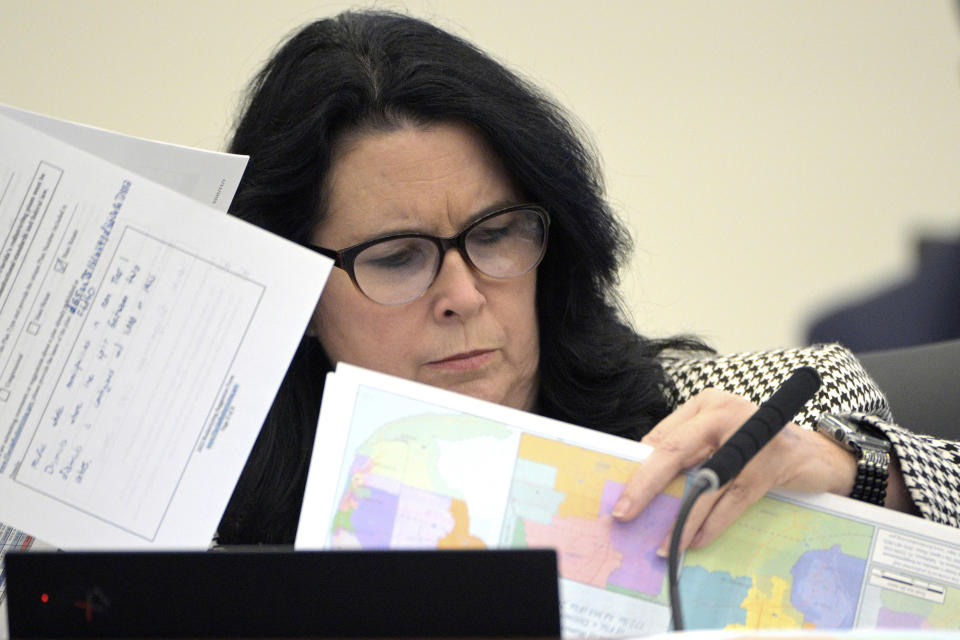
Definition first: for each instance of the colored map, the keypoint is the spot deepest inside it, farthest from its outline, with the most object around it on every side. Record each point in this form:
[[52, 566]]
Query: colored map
[[562, 496], [778, 566], [901, 611], [417, 475], [409, 487], [933, 606], [414, 482]]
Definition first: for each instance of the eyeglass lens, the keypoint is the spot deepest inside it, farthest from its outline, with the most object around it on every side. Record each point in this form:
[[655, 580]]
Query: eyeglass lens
[[398, 270]]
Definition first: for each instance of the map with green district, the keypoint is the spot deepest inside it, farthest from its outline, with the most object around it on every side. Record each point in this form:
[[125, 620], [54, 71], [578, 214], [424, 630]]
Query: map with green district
[[778, 566], [413, 483], [416, 483], [420, 475], [562, 496]]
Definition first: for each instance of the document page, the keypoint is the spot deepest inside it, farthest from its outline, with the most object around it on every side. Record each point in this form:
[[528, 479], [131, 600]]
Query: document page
[[207, 176], [404, 465], [143, 336]]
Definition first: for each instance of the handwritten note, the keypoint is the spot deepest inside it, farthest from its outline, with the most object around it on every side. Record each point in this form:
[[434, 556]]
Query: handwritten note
[[112, 380], [142, 337]]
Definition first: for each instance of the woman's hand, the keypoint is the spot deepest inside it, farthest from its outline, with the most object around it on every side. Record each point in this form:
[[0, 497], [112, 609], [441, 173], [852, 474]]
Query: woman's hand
[[795, 459]]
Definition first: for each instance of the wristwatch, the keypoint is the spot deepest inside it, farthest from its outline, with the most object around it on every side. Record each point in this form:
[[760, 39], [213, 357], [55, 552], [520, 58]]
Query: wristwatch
[[872, 451]]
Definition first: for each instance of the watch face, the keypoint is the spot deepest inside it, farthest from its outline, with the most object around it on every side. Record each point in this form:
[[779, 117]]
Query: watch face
[[839, 429], [850, 435]]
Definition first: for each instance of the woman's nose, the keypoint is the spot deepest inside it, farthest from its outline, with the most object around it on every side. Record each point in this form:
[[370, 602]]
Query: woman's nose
[[456, 291]]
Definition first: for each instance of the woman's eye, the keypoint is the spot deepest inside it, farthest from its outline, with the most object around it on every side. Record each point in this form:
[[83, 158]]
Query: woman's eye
[[488, 235], [393, 258]]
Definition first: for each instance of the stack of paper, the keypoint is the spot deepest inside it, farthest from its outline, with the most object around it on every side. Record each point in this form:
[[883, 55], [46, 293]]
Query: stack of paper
[[143, 335]]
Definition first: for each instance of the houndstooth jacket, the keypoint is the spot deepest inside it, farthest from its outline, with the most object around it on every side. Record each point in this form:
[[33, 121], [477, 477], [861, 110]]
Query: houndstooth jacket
[[930, 466]]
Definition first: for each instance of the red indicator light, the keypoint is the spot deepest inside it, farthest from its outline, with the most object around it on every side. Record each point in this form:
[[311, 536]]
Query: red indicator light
[[44, 597]]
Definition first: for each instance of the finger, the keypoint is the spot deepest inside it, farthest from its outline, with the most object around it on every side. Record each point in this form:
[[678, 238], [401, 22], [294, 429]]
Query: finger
[[684, 413], [712, 513], [716, 511], [729, 506], [680, 441], [651, 478], [698, 513]]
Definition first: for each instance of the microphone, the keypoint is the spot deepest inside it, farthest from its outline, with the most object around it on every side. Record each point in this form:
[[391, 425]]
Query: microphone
[[761, 427], [733, 456]]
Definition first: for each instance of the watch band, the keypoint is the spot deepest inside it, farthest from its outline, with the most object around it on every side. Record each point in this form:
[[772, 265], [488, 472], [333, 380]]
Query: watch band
[[873, 469], [872, 452]]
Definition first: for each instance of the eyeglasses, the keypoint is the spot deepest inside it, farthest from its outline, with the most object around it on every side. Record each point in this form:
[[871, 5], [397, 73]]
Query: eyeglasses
[[396, 269]]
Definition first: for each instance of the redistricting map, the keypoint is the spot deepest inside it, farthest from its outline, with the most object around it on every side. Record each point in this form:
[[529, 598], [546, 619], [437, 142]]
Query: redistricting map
[[561, 497], [439, 479], [778, 566], [408, 488]]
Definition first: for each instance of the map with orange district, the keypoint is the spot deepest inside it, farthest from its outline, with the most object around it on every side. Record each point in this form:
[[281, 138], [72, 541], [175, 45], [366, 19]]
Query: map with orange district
[[407, 466], [562, 496]]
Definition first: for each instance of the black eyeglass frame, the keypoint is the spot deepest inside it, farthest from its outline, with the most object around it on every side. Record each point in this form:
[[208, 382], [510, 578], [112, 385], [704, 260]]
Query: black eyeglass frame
[[344, 258]]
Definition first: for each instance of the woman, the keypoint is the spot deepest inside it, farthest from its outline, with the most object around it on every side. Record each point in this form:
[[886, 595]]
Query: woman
[[368, 126]]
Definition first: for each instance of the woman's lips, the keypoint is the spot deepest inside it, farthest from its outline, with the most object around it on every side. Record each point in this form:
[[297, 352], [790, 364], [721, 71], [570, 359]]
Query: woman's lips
[[464, 361]]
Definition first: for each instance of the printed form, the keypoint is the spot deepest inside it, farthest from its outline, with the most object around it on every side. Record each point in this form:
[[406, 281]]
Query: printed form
[[143, 336]]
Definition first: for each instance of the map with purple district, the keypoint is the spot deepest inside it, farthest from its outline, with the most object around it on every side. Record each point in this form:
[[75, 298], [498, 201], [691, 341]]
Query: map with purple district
[[416, 476], [778, 567], [562, 496]]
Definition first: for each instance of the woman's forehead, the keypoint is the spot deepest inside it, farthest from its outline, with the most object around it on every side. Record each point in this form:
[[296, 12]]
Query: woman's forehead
[[412, 153], [429, 179]]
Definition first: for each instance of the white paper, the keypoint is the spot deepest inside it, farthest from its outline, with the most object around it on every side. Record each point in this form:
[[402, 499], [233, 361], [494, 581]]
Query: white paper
[[210, 177], [143, 336], [401, 465]]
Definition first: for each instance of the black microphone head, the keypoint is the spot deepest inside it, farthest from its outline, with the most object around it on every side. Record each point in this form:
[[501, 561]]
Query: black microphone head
[[795, 391], [763, 425]]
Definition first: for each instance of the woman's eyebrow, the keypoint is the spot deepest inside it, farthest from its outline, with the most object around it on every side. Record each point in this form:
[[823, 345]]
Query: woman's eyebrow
[[499, 204], [399, 231], [408, 228]]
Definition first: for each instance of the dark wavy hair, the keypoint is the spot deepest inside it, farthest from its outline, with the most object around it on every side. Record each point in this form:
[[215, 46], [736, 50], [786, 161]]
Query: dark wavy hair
[[372, 71]]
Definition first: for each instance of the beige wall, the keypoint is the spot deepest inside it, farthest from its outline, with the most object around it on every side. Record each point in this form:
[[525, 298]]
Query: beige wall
[[770, 156]]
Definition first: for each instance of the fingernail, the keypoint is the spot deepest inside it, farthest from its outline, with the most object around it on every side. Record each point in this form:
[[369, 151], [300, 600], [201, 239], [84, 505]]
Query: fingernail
[[661, 552], [620, 509]]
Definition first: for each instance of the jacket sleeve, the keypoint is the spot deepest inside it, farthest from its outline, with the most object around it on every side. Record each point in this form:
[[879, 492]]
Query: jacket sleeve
[[930, 466]]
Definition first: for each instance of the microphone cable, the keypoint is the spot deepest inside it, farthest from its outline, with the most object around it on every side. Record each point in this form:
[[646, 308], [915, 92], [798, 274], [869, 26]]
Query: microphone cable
[[732, 456]]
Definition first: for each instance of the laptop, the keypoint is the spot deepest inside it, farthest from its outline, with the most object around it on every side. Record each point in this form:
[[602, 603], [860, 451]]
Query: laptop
[[257, 593]]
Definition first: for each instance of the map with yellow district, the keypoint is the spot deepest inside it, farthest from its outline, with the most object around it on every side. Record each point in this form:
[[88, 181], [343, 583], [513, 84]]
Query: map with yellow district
[[561, 497], [783, 566], [778, 566], [416, 474]]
